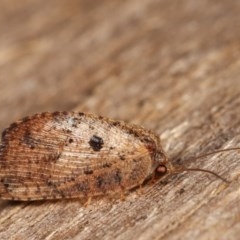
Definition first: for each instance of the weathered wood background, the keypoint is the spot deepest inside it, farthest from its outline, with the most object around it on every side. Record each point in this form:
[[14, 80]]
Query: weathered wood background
[[171, 66]]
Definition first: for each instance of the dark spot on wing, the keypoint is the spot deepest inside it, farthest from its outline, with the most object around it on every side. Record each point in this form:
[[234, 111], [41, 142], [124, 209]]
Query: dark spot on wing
[[106, 165], [100, 182], [91, 127], [118, 176], [88, 171], [96, 143], [122, 157], [83, 186], [116, 123], [28, 139]]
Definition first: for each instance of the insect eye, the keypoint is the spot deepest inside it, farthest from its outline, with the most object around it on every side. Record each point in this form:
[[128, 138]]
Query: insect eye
[[161, 169]]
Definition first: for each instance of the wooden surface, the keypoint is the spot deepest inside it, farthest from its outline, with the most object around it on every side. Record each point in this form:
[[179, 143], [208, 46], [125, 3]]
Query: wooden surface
[[171, 66]]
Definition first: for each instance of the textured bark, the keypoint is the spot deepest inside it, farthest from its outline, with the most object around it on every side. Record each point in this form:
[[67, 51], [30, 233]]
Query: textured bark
[[171, 66]]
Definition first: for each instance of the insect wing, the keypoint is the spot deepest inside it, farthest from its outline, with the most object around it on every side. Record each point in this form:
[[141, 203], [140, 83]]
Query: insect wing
[[64, 155]]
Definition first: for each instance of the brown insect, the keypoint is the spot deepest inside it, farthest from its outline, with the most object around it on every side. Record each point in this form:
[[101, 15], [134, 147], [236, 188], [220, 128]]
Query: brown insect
[[71, 155]]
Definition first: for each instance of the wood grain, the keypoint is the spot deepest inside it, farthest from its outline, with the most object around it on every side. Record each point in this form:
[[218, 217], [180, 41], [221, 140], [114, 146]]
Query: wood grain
[[171, 66]]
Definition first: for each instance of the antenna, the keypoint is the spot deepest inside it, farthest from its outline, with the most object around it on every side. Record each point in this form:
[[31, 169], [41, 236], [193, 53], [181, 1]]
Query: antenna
[[183, 169], [180, 169]]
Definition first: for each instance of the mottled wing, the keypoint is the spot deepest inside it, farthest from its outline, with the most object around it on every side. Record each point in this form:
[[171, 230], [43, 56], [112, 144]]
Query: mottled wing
[[67, 155]]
